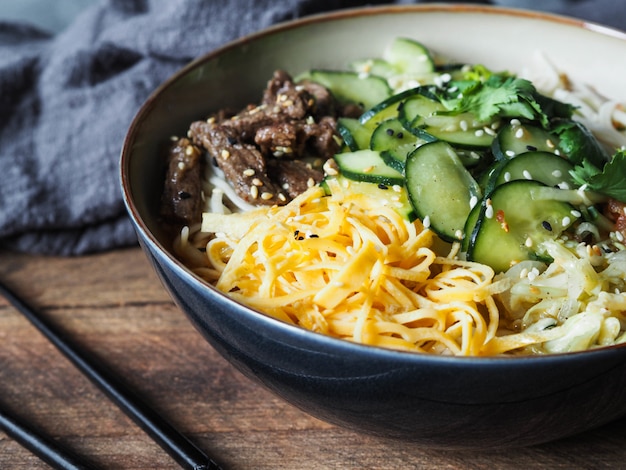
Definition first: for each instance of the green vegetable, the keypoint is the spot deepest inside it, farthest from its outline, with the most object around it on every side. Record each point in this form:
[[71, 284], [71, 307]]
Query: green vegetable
[[501, 95], [610, 181], [578, 143]]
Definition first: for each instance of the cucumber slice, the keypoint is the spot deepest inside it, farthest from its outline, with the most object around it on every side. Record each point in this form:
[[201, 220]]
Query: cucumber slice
[[367, 165], [545, 167], [386, 109], [379, 67], [429, 115], [440, 188], [394, 142], [515, 138], [354, 134], [512, 228], [409, 57], [394, 196], [351, 87]]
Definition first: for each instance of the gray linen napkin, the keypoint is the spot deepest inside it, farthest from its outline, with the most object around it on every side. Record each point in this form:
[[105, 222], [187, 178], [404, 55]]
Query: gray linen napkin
[[67, 100]]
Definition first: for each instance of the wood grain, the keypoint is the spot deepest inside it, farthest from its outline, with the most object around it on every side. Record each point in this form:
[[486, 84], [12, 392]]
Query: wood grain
[[113, 304]]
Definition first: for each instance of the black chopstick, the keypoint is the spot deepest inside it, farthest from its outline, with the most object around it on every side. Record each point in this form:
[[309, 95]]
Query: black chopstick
[[43, 447], [182, 450]]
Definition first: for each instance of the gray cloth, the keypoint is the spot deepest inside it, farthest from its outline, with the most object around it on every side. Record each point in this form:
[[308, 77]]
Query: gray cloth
[[67, 100]]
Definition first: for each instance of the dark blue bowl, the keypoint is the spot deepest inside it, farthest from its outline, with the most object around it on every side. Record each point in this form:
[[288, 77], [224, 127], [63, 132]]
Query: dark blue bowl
[[445, 402]]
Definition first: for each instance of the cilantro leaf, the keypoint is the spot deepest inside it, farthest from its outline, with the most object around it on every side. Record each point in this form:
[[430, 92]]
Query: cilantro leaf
[[610, 181], [502, 95]]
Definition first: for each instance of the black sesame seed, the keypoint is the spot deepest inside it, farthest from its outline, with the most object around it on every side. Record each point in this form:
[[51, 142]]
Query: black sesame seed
[[545, 224], [382, 186], [389, 131], [314, 235], [400, 135], [184, 195], [232, 140], [531, 148], [300, 237]]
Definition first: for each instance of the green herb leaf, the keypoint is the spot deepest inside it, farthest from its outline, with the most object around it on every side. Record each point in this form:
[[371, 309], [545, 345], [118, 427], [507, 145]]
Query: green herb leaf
[[502, 95], [610, 181]]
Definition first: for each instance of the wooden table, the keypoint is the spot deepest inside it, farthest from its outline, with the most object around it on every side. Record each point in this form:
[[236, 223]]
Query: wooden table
[[113, 304]]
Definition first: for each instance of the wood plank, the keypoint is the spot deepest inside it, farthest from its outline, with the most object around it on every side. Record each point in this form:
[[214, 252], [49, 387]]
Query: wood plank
[[113, 304]]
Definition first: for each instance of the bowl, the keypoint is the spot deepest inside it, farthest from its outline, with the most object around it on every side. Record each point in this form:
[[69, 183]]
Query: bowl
[[437, 401]]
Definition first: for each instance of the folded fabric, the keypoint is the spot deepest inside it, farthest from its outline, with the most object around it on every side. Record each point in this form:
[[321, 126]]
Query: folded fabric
[[66, 102]]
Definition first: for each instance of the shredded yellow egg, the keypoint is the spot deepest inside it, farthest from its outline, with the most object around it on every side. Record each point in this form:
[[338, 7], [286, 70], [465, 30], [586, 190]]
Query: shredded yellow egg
[[349, 266]]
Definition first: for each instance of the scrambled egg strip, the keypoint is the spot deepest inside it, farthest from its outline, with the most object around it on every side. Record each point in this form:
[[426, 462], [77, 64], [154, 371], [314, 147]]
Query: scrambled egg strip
[[350, 266]]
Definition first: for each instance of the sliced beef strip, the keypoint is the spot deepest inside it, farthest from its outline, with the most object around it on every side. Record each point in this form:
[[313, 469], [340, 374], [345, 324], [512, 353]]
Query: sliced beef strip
[[182, 193], [243, 165], [283, 97], [297, 139], [294, 176]]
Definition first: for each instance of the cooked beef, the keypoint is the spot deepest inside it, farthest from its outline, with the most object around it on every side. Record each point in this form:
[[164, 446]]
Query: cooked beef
[[282, 139], [294, 176], [261, 148], [182, 194], [243, 164]]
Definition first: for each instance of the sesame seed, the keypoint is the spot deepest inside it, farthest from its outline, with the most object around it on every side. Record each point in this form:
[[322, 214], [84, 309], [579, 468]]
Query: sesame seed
[[576, 213], [254, 192], [473, 201], [225, 154], [249, 172], [549, 143], [479, 132], [489, 130], [527, 175], [181, 166], [459, 234], [528, 242], [489, 212], [426, 222], [310, 183], [463, 125], [282, 197], [507, 176], [557, 173], [174, 138], [515, 122], [619, 236], [509, 153], [257, 182], [368, 169], [189, 150], [397, 188], [267, 196], [519, 133], [523, 273]]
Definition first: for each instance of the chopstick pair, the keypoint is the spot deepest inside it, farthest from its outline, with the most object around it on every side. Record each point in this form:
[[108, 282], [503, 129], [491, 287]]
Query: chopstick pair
[[182, 450]]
